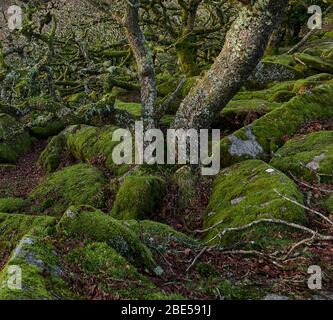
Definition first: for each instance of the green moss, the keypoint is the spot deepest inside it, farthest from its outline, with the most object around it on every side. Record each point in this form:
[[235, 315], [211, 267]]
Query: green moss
[[13, 205], [91, 224], [315, 62], [87, 143], [115, 275], [266, 135], [282, 96], [139, 197], [135, 109], [308, 157], [241, 112], [14, 140], [244, 193], [311, 82], [47, 131], [50, 158], [157, 235], [216, 287], [14, 226], [76, 185], [329, 204], [40, 271], [186, 181]]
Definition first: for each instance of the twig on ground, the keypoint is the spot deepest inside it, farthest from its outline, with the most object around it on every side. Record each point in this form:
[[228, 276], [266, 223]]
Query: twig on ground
[[196, 258], [308, 185], [305, 207], [272, 221]]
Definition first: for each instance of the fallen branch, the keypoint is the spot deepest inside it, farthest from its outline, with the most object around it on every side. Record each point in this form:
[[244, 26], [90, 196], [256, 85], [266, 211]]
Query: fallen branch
[[308, 185], [307, 36], [305, 207], [272, 221], [298, 244], [196, 258]]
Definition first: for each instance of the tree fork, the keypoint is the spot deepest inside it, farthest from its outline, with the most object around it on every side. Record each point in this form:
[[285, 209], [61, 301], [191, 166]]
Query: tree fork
[[245, 44]]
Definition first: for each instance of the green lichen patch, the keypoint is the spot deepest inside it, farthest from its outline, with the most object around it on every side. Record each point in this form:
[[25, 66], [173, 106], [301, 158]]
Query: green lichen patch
[[139, 197], [308, 157], [116, 277], [14, 141], [266, 135], [13, 205], [40, 271], [14, 226], [80, 184], [245, 192], [91, 224]]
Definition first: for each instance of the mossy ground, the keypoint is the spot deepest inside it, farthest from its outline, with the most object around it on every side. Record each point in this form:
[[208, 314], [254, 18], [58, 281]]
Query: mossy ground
[[236, 205], [308, 157], [13, 205]]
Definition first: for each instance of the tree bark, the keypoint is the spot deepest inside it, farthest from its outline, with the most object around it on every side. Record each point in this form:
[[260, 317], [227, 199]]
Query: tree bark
[[144, 60], [245, 44]]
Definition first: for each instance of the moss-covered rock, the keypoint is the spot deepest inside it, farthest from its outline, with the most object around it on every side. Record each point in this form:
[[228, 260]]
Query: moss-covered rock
[[282, 96], [50, 158], [245, 192], [14, 226], [135, 109], [80, 184], [50, 129], [266, 135], [115, 275], [13, 205], [315, 62], [239, 113], [308, 157], [40, 271], [139, 197], [311, 82], [159, 236], [87, 223], [85, 143], [186, 181], [14, 141], [275, 68]]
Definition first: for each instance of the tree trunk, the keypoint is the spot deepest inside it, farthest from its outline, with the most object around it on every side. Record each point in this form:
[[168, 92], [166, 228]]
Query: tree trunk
[[144, 60], [245, 44]]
